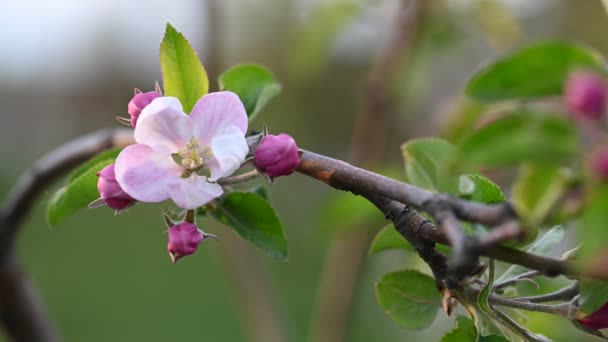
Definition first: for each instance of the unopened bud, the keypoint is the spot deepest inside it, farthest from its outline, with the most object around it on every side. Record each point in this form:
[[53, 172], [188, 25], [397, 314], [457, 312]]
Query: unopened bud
[[112, 195], [599, 163], [184, 239], [597, 320], [139, 102], [585, 94], [277, 155]]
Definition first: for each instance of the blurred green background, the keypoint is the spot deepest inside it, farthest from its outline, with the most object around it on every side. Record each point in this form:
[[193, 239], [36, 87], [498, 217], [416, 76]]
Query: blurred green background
[[68, 67]]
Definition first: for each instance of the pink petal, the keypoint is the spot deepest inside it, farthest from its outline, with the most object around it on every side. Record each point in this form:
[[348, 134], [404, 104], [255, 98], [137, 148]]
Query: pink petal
[[194, 191], [163, 126], [215, 113], [145, 174], [229, 152]]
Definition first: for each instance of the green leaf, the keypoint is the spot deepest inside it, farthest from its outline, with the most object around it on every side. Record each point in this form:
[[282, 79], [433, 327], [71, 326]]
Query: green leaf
[[536, 71], [427, 161], [183, 73], [484, 295], [594, 294], [254, 84], [478, 188], [542, 246], [592, 229], [252, 217], [77, 194], [537, 189], [409, 298], [534, 137], [466, 332], [103, 156], [389, 238]]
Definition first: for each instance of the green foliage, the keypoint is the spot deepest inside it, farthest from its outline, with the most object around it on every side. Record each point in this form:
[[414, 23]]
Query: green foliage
[[484, 295], [537, 189], [534, 137], [183, 73], [592, 228], [389, 238], [478, 188], [409, 298], [427, 161], [594, 294], [538, 70], [542, 246], [81, 188], [254, 84], [252, 217], [466, 332]]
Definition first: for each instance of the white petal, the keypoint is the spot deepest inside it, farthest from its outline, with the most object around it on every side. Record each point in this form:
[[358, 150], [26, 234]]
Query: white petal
[[163, 126], [144, 174], [229, 152], [194, 191], [215, 113]]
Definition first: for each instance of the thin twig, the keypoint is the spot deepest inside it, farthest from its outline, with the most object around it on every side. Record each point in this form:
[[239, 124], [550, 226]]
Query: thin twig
[[527, 276], [567, 293], [243, 177]]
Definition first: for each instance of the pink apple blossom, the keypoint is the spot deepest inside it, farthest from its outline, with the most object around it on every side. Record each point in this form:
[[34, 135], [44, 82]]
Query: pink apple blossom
[[179, 156]]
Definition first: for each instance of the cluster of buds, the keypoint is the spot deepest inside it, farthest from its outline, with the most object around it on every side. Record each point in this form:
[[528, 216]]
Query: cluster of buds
[[275, 156]]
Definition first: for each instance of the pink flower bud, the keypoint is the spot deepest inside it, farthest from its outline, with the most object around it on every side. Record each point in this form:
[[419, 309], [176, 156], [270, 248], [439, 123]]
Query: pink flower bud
[[139, 102], [599, 163], [184, 239], [585, 94], [277, 155], [597, 320], [110, 191]]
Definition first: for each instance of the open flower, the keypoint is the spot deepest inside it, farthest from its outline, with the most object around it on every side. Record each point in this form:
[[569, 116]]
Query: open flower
[[179, 156]]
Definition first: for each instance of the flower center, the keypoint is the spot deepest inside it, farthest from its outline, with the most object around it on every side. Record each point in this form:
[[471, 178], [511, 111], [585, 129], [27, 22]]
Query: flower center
[[193, 158]]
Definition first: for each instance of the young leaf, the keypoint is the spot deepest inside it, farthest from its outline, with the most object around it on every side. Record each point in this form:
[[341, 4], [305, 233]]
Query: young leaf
[[484, 295], [478, 188], [252, 217], [537, 189], [542, 246], [534, 137], [77, 194], [389, 238], [183, 73], [594, 294], [409, 298], [518, 76], [426, 162], [254, 84]]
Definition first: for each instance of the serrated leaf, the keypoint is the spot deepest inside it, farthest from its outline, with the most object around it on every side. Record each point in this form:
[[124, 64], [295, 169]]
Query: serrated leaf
[[594, 294], [517, 76], [252, 217], [183, 73], [427, 161], [254, 84], [77, 194], [542, 246], [537, 189], [388, 239], [478, 188], [409, 298], [521, 137]]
